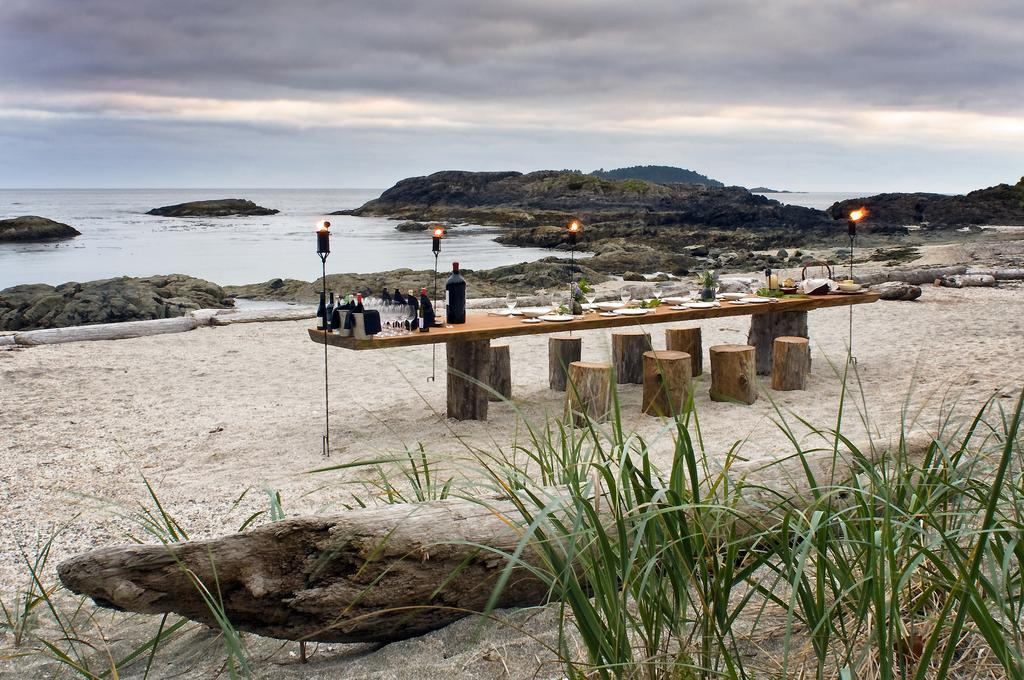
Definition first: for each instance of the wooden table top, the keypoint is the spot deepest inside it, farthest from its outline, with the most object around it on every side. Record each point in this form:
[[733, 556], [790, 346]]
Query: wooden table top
[[484, 326]]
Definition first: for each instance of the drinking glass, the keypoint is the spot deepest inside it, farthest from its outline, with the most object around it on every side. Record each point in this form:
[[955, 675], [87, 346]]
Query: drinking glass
[[510, 301], [626, 296]]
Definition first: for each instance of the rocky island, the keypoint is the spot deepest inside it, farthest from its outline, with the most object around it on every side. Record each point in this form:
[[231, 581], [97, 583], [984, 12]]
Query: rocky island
[[225, 207], [32, 306], [30, 228], [1002, 204], [630, 224]]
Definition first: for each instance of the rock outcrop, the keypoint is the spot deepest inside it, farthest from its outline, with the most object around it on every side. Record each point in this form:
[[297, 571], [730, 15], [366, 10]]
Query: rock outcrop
[[28, 307], [28, 228], [898, 290], [225, 207], [1002, 204], [523, 278]]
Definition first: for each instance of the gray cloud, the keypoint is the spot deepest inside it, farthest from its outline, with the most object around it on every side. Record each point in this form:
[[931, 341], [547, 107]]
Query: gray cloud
[[912, 53], [752, 92]]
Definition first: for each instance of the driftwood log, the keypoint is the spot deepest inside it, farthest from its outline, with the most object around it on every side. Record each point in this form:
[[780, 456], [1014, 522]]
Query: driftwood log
[[967, 281], [392, 572], [1007, 274], [915, 275], [107, 331], [765, 327]]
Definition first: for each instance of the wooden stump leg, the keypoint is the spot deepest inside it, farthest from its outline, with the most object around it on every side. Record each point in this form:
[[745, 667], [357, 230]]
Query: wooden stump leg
[[666, 382], [791, 363], [562, 351], [687, 340], [469, 367], [732, 373], [501, 374], [589, 392], [628, 349], [767, 326]]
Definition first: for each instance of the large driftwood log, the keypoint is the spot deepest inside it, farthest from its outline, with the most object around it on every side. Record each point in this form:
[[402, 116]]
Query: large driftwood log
[[227, 317], [1008, 274], [916, 275], [765, 327], [967, 281], [106, 331], [391, 572]]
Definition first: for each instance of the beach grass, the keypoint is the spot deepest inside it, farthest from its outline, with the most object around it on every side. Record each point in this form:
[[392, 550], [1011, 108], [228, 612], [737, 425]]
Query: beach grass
[[908, 568]]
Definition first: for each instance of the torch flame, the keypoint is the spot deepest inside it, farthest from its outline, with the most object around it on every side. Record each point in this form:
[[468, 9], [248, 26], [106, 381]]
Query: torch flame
[[574, 226], [438, 232], [324, 226], [858, 214]]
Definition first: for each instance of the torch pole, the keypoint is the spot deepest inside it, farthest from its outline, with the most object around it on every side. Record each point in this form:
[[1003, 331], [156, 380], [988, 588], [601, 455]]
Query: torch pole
[[853, 225], [433, 346], [327, 393]]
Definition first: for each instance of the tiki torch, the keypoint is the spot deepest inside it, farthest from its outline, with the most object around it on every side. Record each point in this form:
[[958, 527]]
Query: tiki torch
[[323, 249]]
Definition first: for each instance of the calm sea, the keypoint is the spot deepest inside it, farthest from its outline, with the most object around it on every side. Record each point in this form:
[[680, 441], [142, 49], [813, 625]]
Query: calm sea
[[118, 239]]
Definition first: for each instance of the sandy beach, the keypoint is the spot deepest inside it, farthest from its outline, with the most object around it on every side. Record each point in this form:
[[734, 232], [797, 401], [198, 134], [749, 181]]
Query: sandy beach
[[207, 415]]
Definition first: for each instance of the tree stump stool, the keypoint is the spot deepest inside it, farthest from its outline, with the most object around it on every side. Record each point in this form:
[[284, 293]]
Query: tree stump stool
[[666, 382], [732, 373], [469, 368], [791, 363], [500, 380], [767, 326], [562, 351], [628, 349], [687, 340], [589, 392]]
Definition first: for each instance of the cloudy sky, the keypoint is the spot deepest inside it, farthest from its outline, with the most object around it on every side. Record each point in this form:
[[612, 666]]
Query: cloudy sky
[[800, 94]]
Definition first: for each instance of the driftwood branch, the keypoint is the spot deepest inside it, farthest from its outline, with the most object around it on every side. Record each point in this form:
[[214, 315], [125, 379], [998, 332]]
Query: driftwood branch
[[383, 573]]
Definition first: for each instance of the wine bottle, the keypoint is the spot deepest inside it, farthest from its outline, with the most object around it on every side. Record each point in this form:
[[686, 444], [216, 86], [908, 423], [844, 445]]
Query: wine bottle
[[329, 314], [359, 303], [321, 314], [386, 296], [455, 297], [397, 297], [426, 313]]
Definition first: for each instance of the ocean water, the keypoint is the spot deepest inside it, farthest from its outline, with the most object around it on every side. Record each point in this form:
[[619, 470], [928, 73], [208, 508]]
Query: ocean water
[[119, 239], [817, 199]]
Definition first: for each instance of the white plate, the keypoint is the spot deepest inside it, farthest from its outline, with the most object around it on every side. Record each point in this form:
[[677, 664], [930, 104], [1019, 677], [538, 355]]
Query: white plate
[[609, 306], [506, 312], [699, 305], [675, 300], [556, 317], [737, 302], [533, 312], [607, 314], [630, 311], [732, 297], [755, 299], [531, 320]]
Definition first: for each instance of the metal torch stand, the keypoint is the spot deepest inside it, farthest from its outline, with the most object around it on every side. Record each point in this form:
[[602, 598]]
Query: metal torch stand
[[327, 394]]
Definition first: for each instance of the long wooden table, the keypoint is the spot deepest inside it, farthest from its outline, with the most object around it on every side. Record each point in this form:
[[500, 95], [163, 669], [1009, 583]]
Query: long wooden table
[[468, 343]]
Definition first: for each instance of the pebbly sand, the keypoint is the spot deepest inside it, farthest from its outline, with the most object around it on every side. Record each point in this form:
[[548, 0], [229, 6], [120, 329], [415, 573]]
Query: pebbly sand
[[208, 414]]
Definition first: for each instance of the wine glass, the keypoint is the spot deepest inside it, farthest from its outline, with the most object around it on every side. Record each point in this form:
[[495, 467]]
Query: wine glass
[[510, 301], [625, 296]]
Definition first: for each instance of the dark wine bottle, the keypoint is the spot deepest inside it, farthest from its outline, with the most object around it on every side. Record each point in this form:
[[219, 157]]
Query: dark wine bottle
[[455, 297], [426, 313], [329, 314], [359, 303], [397, 297], [321, 314], [386, 296]]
